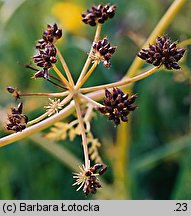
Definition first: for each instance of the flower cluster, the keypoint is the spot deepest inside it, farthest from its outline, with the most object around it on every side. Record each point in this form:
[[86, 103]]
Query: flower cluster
[[88, 178], [164, 52], [54, 106], [46, 50], [17, 120], [117, 105], [99, 14], [102, 51]]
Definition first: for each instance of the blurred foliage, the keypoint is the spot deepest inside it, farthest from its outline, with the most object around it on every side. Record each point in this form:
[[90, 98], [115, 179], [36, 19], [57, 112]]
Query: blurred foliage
[[160, 154]]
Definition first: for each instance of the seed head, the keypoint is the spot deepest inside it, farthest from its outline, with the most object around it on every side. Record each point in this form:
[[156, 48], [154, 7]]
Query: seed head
[[164, 52], [88, 178], [17, 120], [102, 51], [117, 105], [99, 14], [51, 34], [46, 56], [43, 73]]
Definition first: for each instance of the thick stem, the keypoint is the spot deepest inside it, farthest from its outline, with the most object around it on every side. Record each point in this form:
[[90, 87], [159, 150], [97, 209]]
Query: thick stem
[[122, 177], [83, 133]]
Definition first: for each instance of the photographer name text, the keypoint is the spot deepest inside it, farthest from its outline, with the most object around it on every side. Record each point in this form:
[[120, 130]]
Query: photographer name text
[[14, 207]]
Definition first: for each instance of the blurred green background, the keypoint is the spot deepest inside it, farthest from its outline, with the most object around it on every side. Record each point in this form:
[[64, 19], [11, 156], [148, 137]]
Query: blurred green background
[[159, 161]]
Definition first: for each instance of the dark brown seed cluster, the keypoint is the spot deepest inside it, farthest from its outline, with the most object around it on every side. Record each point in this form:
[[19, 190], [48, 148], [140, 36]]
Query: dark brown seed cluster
[[99, 14], [92, 183], [103, 51], [49, 36], [117, 105], [164, 52], [46, 50], [17, 120], [45, 58]]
